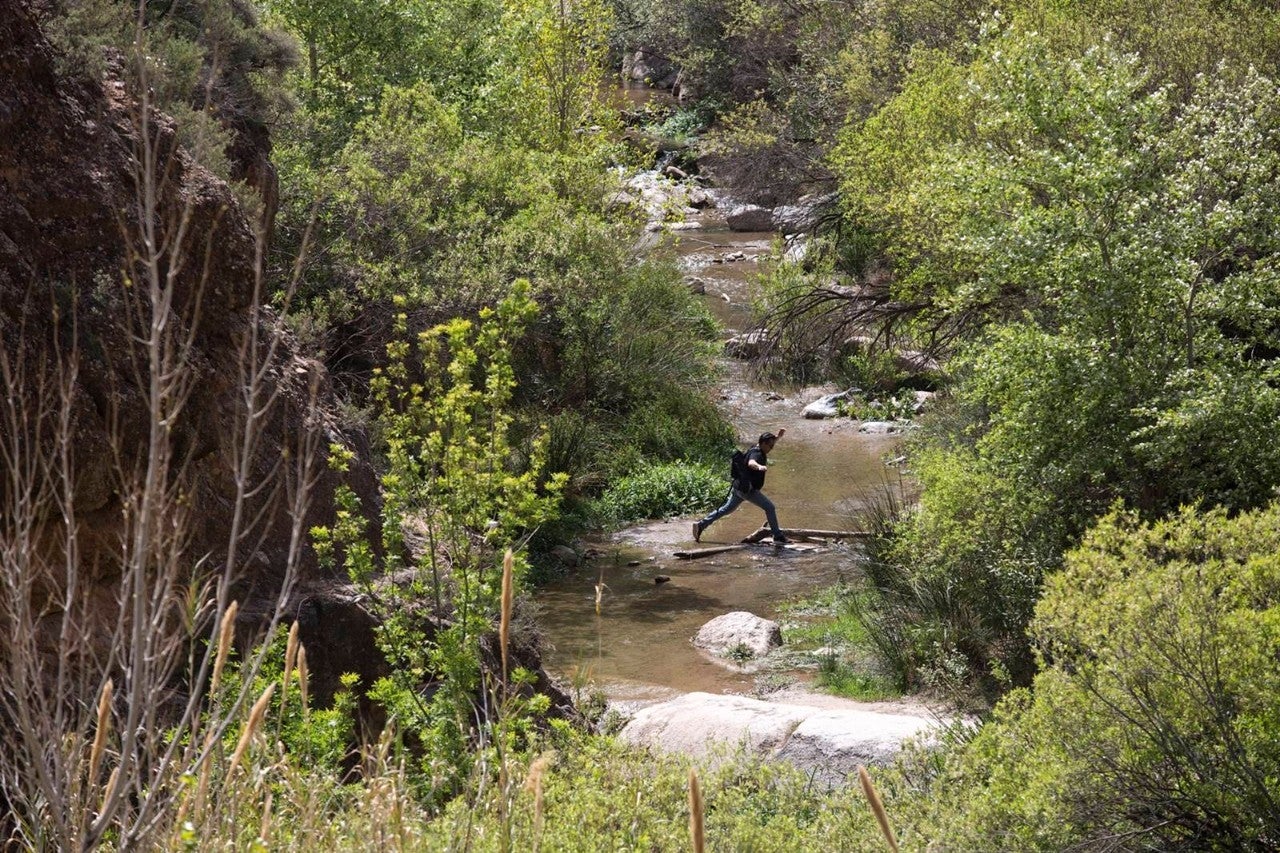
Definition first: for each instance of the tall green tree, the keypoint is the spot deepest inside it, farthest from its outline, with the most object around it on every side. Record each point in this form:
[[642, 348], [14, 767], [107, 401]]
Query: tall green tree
[[1115, 253]]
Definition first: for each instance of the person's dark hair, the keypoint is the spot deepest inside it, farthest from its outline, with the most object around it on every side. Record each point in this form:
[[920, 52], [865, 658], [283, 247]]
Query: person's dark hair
[[766, 438]]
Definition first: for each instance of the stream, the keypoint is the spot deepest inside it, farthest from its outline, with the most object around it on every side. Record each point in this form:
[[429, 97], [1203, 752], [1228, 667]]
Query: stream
[[638, 648]]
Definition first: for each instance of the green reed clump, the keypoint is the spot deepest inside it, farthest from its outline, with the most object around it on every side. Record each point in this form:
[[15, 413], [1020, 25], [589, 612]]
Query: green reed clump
[[663, 490]]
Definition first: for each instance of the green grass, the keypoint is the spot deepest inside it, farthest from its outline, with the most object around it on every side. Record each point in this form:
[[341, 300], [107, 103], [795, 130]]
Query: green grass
[[849, 665]]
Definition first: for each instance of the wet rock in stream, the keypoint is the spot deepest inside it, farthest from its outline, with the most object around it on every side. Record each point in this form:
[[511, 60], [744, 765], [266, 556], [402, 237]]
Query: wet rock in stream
[[827, 406], [747, 346], [750, 217], [725, 634]]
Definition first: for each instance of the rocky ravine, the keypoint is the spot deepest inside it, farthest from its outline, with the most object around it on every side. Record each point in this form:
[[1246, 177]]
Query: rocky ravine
[[69, 177], [70, 172]]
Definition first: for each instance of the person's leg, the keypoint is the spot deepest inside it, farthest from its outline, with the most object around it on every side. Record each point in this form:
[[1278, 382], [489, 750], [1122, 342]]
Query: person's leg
[[731, 503], [770, 511]]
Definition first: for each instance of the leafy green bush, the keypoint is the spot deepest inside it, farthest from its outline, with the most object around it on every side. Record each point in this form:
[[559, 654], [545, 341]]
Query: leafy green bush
[[662, 490], [889, 407], [680, 125], [451, 476], [209, 65], [1154, 719], [598, 794], [321, 739], [1115, 357]]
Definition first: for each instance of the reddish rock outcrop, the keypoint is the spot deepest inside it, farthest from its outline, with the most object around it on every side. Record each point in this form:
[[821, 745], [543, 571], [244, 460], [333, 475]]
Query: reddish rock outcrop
[[71, 164], [70, 168]]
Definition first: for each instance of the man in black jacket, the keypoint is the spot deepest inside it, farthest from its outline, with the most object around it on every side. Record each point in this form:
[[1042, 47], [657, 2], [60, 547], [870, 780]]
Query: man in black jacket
[[748, 489]]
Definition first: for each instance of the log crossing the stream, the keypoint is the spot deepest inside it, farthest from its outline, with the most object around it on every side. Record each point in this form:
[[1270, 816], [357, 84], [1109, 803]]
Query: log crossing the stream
[[757, 538]]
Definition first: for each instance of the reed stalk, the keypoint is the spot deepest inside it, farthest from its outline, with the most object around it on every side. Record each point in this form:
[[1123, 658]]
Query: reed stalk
[[251, 727], [303, 677], [290, 657], [100, 734], [504, 626], [696, 828], [882, 817], [225, 632], [533, 782], [202, 789], [112, 781], [264, 830]]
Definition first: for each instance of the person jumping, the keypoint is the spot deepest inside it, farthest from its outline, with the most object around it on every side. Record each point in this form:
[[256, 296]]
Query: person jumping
[[748, 488]]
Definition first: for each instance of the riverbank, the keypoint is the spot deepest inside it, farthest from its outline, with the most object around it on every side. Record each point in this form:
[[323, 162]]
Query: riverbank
[[623, 622]]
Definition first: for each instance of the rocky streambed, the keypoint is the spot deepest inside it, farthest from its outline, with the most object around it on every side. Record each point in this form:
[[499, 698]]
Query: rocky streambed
[[625, 620]]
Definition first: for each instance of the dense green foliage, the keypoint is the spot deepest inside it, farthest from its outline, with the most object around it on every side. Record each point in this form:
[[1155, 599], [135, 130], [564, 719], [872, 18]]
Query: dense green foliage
[[663, 490], [1075, 205], [428, 184], [833, 625], [453, 484], [1113, 253], [1153, 719], [208, 64], [423, 187]]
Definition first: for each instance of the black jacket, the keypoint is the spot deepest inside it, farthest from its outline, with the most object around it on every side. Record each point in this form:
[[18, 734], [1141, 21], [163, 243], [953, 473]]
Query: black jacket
[[755, 479]]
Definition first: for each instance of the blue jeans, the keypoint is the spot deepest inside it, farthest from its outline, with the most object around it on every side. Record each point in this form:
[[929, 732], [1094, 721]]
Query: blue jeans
[[735, 500]]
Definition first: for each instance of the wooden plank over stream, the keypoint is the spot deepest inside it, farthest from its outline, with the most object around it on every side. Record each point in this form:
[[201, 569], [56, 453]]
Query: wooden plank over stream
[[758, 536], [699, 553], [810, 534]]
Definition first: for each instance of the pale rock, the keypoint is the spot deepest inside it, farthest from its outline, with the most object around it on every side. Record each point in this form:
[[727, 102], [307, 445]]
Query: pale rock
[[829, 745], [566, 555], [826, 407], [739, 629], [881, 427], [746, 346], [750, 217], [699, 724]]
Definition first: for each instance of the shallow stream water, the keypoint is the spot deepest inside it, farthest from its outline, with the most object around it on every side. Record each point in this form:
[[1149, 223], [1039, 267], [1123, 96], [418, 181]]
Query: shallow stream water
[[639, 648]]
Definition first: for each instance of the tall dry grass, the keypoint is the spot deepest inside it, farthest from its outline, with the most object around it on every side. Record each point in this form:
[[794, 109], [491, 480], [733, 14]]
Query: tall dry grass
[[116, 714]]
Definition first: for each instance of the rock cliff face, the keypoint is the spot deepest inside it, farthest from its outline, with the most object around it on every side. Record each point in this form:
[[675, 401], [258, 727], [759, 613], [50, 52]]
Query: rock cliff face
[[71, 166]]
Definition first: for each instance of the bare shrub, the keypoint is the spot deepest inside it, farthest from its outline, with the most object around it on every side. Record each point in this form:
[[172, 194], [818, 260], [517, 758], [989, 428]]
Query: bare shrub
[[109, 627]]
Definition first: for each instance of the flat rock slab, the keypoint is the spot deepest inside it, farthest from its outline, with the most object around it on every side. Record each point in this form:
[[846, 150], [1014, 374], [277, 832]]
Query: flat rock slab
[[831, 744], [699, 724], [750, 217], [883, 427], [825, 407], [824, 743]]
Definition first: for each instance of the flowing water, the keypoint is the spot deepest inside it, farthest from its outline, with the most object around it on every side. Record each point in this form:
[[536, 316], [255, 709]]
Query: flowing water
[[638, 646]]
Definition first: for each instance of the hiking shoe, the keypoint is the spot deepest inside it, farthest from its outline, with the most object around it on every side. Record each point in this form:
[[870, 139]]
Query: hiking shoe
[[781, 540], [697, 531]]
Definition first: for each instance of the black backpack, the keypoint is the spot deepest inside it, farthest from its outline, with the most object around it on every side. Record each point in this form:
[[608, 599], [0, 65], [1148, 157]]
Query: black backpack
[[738, 471]]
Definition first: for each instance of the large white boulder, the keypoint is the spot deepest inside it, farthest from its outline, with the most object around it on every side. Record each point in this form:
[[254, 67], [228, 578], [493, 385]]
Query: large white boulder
[[829, 745], [701, 724], [801, 216], [725, 635], [746, 346], [826, 407], [826, 744]]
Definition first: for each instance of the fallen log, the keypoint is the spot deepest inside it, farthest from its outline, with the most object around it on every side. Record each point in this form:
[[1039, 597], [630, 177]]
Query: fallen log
[[808, 533], [699, 553]]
